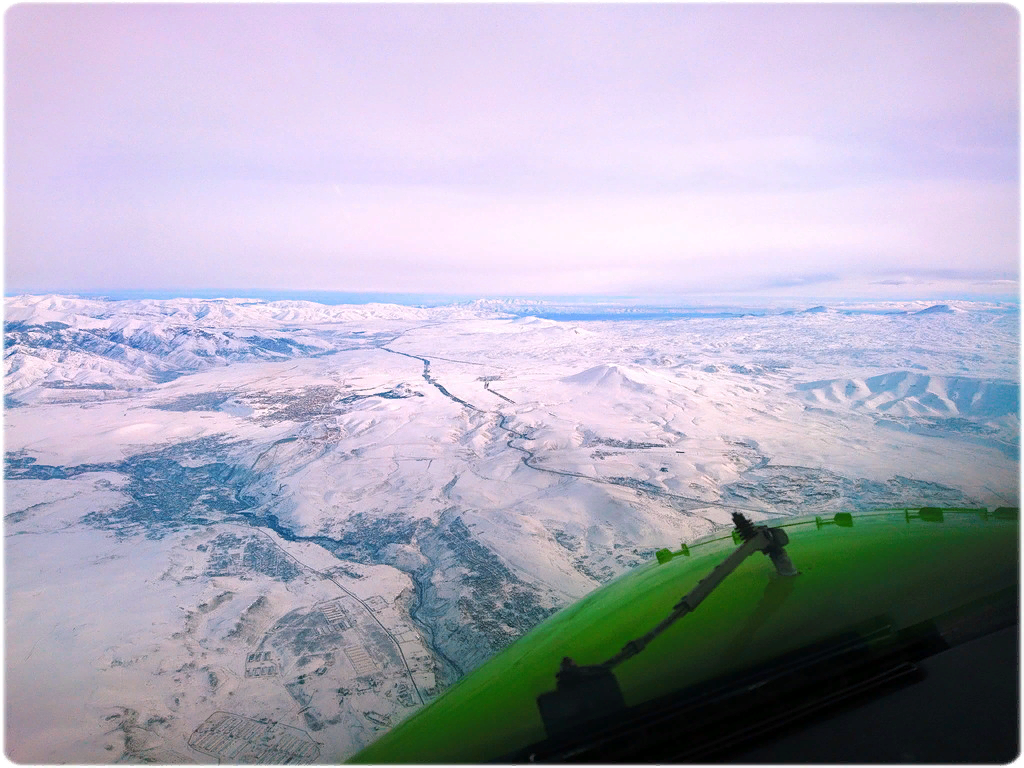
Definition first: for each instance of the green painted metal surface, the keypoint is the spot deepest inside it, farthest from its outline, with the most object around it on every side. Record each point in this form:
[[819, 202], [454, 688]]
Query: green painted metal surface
[[907, 566]]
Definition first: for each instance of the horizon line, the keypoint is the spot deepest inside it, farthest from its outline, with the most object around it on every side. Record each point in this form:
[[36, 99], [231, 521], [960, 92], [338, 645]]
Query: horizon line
[[438, 298]]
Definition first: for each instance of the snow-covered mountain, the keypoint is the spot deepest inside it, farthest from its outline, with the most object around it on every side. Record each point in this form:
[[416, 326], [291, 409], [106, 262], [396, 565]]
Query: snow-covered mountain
[[61, 349], [613, 379], [906, 393]]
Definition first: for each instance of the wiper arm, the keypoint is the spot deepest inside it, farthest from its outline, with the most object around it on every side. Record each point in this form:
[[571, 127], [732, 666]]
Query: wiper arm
[[756, 538], [592, 690]]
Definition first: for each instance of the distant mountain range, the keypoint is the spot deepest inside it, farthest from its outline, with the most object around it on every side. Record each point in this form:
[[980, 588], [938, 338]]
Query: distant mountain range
[[64, 348]]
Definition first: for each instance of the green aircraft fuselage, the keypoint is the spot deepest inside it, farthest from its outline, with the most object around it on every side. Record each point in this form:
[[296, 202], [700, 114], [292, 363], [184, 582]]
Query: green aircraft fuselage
[[905, 566]]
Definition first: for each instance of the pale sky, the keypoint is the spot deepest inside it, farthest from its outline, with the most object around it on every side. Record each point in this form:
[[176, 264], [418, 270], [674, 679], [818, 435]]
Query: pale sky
[[513, 149]]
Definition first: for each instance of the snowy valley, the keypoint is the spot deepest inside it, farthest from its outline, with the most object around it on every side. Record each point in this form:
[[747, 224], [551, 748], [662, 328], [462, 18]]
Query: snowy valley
[[232, 523]]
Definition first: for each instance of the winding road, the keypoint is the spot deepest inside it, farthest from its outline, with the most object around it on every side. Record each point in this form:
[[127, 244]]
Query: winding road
[[695, 503]]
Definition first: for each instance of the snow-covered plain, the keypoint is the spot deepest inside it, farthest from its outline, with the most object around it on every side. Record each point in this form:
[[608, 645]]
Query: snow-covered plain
[[317, 517]]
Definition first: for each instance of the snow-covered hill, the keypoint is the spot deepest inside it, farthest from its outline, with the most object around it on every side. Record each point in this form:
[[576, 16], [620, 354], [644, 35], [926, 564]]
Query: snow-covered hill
[[66, 349], [614, 380], [906, 393]]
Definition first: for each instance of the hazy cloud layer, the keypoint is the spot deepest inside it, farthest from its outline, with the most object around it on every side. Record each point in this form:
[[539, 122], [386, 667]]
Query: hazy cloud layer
[[512, 149]]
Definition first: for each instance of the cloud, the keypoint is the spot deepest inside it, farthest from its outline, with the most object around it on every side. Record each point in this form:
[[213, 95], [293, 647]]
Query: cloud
[[430, 147]]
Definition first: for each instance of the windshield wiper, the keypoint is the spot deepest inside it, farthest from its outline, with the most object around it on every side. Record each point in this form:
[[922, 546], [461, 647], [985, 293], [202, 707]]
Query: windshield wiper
[[586, 692]]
